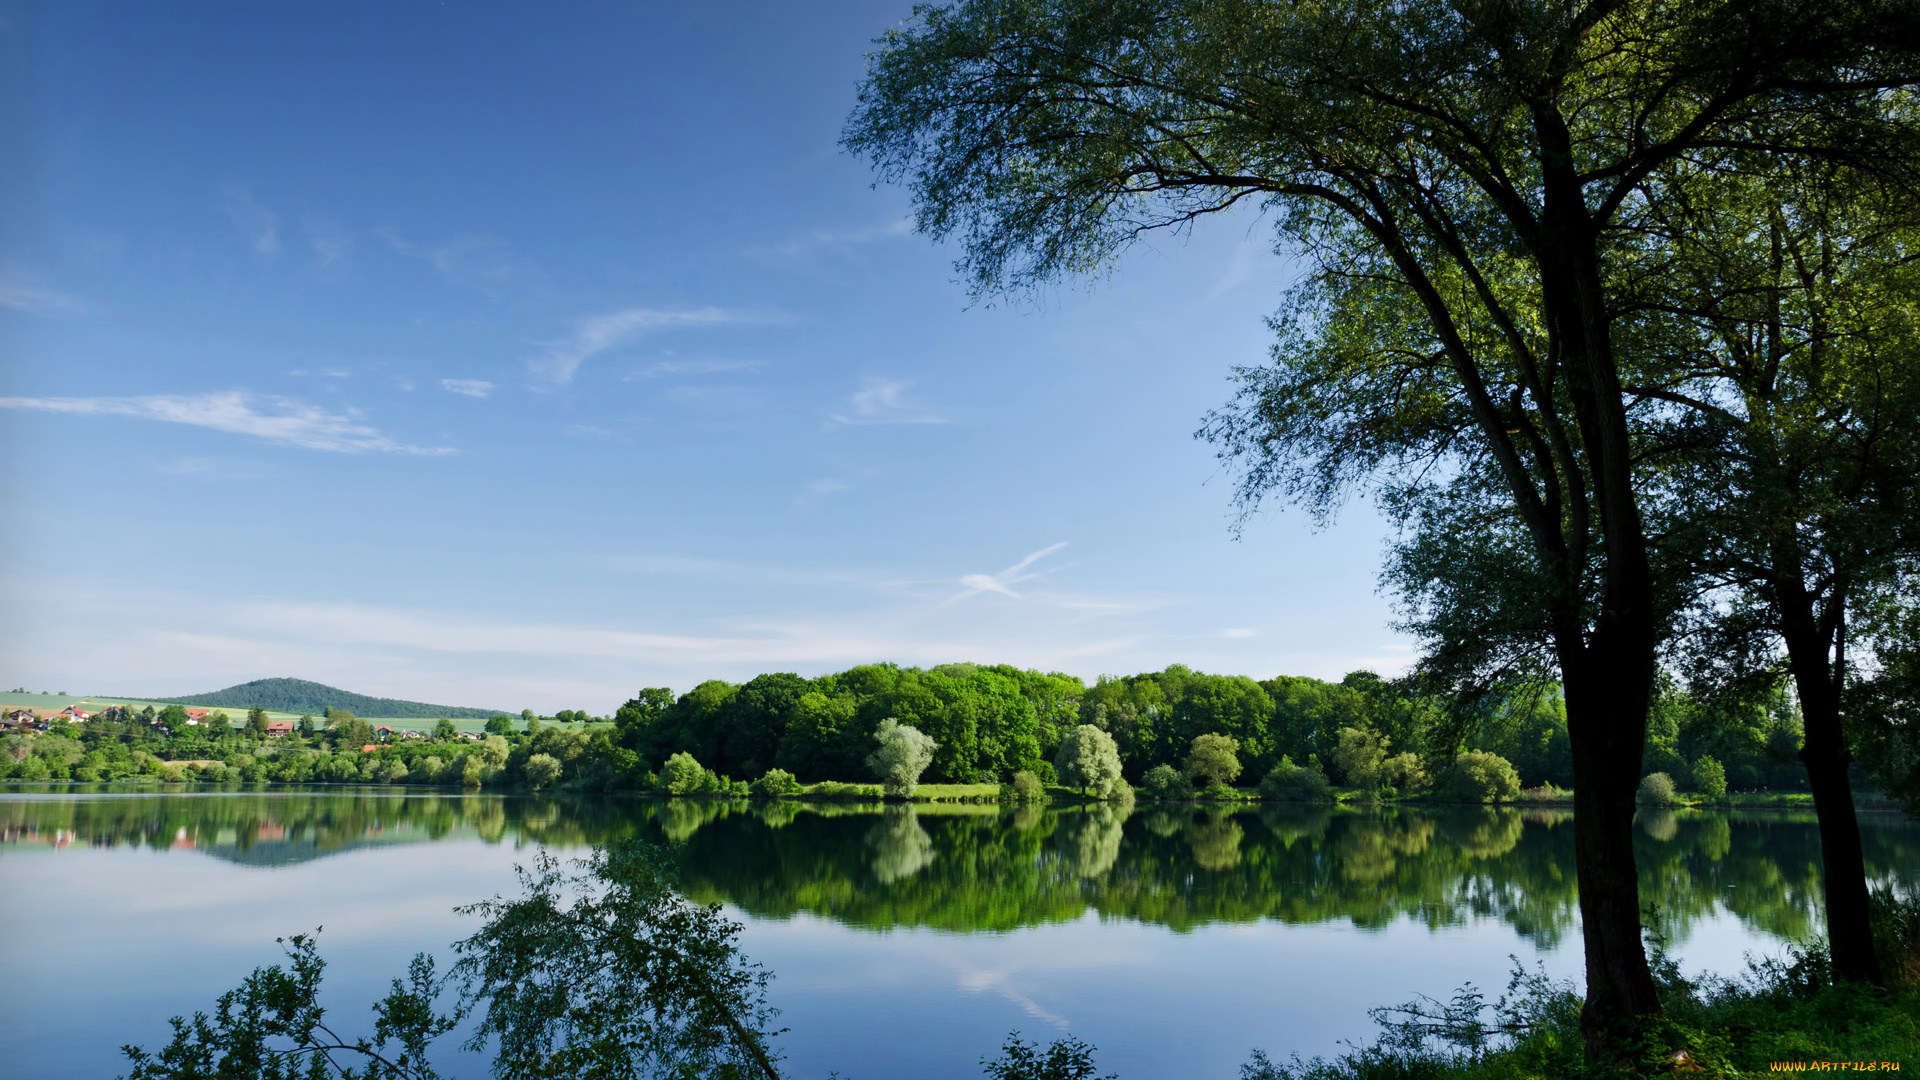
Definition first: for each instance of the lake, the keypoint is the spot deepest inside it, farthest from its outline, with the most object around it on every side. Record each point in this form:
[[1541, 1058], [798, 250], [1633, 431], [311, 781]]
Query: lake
[[903, 941]]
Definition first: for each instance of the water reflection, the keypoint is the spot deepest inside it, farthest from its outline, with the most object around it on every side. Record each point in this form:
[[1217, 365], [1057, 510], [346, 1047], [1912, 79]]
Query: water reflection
[[978, 867]]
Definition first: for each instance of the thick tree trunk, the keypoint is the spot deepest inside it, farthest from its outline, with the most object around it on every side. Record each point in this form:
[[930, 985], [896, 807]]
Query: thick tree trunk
[[1606, 722], [1844, 867]]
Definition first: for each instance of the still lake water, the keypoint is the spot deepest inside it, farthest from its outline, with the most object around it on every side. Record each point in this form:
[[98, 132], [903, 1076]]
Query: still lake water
[[903, 942]]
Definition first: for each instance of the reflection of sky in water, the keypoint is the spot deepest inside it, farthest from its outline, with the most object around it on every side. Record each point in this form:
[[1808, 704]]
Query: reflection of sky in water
[[103, 944]]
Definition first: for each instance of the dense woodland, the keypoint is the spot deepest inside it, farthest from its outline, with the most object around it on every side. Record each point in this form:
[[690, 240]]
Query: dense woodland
[[989, 722], [303, 696]]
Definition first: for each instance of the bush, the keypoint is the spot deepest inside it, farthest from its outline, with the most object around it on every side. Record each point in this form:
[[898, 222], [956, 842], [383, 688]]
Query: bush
[[1166, 782], [775, 784], [834, 789], [1292, 783], [682, 775], [1480, 776], [1026, 788], [1656, 789], [1710, 778]]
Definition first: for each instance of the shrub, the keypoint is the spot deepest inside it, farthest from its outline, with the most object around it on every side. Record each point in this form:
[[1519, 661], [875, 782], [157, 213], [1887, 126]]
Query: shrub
[[1480, 776], [1166, 782], [1213, 759], [682, 775], [776, 783], [1656, 789], [1292, 783], [833, 789], [1027, 788], [1710, 778], [1409, 772], [1361, 757]]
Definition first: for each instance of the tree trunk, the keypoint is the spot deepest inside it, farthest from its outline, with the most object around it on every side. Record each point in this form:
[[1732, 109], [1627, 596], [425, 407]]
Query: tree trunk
[[1843, 864], [1608, 745]]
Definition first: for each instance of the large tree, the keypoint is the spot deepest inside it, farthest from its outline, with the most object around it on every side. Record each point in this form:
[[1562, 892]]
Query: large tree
[[1789, 317], [1486, 162]]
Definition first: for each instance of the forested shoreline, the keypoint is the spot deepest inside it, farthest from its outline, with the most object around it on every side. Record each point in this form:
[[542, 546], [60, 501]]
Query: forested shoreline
[[987, 723]]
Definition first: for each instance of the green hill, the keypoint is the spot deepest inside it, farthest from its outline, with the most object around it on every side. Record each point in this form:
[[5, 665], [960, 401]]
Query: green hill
[[301, 696]]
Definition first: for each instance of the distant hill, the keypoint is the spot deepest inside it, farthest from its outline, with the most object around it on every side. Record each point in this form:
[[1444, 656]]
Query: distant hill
[[301, 696]]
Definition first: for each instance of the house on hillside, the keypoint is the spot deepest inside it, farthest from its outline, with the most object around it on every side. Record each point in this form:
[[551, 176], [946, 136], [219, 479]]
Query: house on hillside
[[277, 728], [197, 715], [19, 720], [74, 713], [385, 733]]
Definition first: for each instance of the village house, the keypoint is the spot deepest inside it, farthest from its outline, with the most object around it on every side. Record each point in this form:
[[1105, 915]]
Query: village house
[[277, 728]]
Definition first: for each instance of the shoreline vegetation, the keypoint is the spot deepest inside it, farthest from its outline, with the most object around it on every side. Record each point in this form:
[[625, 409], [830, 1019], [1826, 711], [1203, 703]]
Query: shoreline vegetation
[[973, 733]]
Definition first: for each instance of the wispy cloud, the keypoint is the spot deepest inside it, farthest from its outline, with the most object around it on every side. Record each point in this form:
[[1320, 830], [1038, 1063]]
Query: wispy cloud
[[843, 239], [696, 367], [284, 421], [1004, 581], [261, 225], [472, 260], [329, 240], [884, 401], [1237, 632], [19, 291], [598, 333], [469, 387]]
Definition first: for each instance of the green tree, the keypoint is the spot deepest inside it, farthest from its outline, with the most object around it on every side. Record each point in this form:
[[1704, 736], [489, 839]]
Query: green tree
[[1473, 174], [257, 722], [1213, 759], [904, 752], [1361, 757], [1710, 778], [494, 751], [500, 725], [446, 730], [1484, 777], [541, 770], [683, 775], [1088, 759]]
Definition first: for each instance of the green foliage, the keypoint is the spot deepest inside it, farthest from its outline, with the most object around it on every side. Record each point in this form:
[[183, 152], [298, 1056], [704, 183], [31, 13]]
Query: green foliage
[[1213, 759], [1167, 782], [1709, 778], [1656, 789], [301, 696], [446, 730], [1088, 759], [1025, 788], [499, 725], [1478, 776], [1065, 1059], [682, 775], [904, 753], [541, 770], [272, 1028], [775, 784], [1288, 782]]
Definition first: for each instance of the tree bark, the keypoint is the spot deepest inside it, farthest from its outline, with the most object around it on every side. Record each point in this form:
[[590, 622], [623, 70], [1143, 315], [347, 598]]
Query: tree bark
[[1607, 750], [1843, 863]]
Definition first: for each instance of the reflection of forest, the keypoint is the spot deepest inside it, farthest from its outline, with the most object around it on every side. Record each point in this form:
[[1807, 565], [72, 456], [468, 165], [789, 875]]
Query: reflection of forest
[[974, 867]]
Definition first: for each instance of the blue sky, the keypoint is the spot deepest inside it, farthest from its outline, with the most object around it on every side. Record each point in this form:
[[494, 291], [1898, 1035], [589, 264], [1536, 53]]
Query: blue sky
[[524, 355]]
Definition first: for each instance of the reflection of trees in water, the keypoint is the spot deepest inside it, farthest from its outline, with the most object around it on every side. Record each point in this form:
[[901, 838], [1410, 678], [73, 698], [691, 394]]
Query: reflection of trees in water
[[1088, 839], [901, 848], [1659, 824], [966, 867], [1216, 841]]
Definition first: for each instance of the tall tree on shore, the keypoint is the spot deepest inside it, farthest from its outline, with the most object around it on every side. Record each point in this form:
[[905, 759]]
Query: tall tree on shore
[[1486, 163]]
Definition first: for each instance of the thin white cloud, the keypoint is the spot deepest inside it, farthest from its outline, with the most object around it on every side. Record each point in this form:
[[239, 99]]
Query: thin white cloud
[[19, 291], [470, 259], [844, 239], [477, 388], [1004, 581], [284, 421], [330, 242], [261, 225], [598, 333], [1238, 632], [696, 367], [884, 401]]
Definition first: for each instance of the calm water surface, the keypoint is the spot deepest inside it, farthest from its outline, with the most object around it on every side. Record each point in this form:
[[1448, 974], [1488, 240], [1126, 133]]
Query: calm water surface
[[904, 942]]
